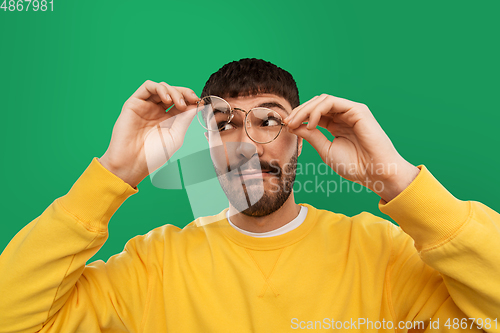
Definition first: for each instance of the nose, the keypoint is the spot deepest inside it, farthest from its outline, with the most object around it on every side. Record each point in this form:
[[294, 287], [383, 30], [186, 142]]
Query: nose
[[246, 147]]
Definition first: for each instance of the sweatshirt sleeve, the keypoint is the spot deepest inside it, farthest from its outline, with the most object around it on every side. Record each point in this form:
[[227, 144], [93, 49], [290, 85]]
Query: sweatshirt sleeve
[[446, 264], [44, 283]]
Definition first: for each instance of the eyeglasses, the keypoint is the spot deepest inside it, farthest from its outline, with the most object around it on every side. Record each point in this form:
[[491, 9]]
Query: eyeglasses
[[262, 125]]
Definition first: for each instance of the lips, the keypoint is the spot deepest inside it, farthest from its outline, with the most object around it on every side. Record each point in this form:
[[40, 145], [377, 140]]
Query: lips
[[253, 174]]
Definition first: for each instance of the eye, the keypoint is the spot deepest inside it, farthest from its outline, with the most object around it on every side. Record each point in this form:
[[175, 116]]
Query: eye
[[224, 126], [271, 121]]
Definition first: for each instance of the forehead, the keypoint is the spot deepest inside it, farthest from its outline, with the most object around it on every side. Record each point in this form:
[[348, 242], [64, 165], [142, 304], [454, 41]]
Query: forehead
[[249, 102]]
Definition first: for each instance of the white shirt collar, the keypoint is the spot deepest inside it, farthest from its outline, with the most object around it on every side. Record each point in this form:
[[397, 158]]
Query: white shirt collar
[[281, 230]]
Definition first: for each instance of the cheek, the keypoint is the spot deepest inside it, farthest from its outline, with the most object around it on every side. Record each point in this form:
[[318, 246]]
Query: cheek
[[226, 154], [217, 153], [285, 147]]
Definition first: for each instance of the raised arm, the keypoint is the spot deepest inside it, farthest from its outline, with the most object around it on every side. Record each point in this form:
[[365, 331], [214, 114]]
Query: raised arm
[[455, 272], [44, 282]]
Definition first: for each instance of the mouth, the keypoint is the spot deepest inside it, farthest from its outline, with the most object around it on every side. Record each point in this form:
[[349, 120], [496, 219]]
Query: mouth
[[253, 173]]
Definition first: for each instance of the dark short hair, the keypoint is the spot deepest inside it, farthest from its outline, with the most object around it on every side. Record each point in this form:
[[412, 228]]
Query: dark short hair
[[250, 76]]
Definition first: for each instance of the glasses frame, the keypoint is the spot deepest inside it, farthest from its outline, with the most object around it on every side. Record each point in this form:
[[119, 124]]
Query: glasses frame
[[231, 115]]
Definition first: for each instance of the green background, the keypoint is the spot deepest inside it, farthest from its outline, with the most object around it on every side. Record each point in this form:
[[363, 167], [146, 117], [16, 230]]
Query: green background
[[428, 71]]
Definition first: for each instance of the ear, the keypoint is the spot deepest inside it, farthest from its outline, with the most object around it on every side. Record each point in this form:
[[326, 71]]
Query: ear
[[206, 135], [299, 141]]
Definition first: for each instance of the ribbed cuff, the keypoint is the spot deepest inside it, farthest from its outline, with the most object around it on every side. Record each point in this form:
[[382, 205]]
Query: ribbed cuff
[[96, 196], [426, 211]]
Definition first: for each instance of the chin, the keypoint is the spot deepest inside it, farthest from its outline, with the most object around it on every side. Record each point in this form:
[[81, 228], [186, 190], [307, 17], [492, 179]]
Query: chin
[[268, 203]]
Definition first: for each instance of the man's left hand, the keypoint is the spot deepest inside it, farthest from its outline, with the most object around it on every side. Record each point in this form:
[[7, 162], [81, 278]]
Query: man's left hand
[[360, 152]]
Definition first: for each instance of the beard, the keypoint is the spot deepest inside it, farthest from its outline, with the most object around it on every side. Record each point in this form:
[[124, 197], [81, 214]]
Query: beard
[[270, 200]]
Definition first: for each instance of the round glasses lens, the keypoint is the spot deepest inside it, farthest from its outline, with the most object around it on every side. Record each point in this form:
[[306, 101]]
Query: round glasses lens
[[263, 125], [213, 112]]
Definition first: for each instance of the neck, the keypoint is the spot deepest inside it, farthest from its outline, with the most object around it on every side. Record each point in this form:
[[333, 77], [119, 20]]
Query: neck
[[273, 221]]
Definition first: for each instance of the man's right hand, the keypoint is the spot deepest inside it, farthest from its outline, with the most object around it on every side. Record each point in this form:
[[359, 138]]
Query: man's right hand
[[145, 136]]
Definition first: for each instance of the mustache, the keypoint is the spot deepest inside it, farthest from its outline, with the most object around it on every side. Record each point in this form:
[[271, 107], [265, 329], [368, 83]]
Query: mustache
[[263, 165]]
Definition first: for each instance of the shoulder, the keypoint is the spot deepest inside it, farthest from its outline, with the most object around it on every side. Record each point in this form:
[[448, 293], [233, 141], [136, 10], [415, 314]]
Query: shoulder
[[171, 234], [365, 230], [364, 223], [170, 244], [194, 234]]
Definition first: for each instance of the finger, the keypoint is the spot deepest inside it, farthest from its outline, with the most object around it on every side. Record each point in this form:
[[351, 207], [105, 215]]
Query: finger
[[155, 99], [189, 95], [146, 90], [334, 128], [180, 124], [155, 92], [341, 105], [298, 108], [342, 110], [314, 118], [319, 112], [303, 114], [352, 116], [327, 122], [164, 95], [346, 111], [183, 120], [317, 139], [176, 96], [174, 111]]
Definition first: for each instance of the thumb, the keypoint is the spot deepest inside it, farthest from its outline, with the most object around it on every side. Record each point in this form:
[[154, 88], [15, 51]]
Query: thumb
[[314, 136], [182, 121], [164, 139]]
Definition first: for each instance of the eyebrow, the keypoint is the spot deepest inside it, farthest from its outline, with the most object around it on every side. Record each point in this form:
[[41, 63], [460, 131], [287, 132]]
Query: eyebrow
[[272, 105]]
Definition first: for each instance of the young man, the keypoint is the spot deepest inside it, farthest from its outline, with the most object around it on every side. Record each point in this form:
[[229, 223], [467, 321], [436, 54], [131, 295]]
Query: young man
[[264, 264]]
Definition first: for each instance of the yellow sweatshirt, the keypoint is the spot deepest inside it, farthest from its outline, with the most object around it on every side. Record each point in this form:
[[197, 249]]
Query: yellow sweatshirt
[[333, 271]]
